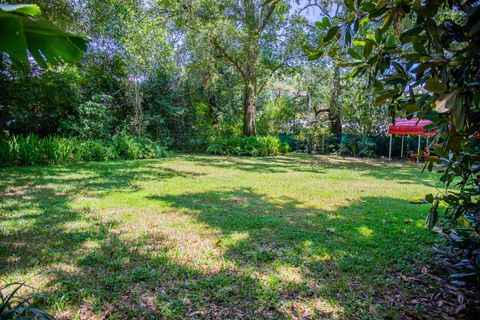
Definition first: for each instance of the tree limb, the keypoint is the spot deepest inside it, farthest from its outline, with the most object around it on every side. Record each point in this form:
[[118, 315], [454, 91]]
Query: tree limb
[[284, 63], [227, 56], [318, 111], [270, 10]]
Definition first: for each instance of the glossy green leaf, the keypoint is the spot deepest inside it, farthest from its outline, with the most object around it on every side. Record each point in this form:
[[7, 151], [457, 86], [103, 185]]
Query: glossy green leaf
[[26, 9], [434, 85], [368, 48], [46, 43], [349, 4], [429, 198], [332, 32], [316, 55], [384, 96], [324, 24]]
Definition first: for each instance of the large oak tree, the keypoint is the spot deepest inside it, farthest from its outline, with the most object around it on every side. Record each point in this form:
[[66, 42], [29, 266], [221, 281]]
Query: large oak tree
[[255, 37]]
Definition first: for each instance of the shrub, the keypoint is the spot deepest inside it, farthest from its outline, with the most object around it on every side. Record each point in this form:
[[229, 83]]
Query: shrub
[[460, 203], [94, 150], [248, 146], [357, 146], [92, 121], [132, 147], [126, 146], [33, 150]]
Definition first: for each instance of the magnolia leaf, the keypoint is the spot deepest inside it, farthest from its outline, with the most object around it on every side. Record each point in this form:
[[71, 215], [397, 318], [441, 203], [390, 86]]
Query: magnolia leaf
[[429, 198], [368, 6], [380, 4], [368, 48], [315, 55], [331, 33], [458, 112], [434, 85], [349, 4], [324, 24], [389, 17], [411, 34], [411, 107], [383, 96], [354, 54], [358, 43]]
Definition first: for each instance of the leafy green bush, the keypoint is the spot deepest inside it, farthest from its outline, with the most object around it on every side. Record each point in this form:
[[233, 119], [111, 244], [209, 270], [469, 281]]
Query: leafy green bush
[[460, 228], [92, 121], [126, 146], [248, 146], [13, 306], [133, 147], [94, 150], [33, 150], [357, 146]]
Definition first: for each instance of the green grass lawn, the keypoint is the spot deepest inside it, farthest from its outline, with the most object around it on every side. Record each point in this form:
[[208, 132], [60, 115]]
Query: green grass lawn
[[217, 237]]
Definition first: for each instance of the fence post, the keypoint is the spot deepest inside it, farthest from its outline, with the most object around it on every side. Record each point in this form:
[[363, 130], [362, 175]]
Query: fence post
[[390, 149], [401, 152], [418, 149]]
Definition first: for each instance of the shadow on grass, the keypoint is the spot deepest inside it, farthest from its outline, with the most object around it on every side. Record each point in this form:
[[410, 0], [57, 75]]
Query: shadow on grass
[[93, 176], [287, 260], [403, 172], [374, 229], [38, 200]]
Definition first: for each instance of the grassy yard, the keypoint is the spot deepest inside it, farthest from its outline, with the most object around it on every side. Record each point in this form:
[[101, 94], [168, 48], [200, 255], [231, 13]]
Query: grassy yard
[[219, 238]]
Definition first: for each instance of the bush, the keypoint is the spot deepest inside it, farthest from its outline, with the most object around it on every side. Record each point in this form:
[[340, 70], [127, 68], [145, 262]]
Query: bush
[[357, 146], [92, 121], [94, 150], [132, 147], [33, 150], [460, 203], [248, 146]]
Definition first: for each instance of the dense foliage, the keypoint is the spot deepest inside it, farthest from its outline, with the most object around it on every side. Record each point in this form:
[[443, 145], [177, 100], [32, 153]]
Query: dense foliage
[[208, 76], [185, 94], [33, 150], [423, 59], [248, 146]]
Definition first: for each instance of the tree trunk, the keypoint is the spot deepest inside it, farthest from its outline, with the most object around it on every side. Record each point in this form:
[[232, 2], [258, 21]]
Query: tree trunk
[[336, 123], [333, 113], [137, 122], [249, 109]]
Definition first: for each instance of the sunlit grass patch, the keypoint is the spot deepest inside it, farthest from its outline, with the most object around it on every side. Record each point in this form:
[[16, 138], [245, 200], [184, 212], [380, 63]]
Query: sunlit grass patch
[[204, 236]]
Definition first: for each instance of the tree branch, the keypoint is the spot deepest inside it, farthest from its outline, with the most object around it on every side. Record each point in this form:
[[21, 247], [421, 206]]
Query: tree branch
[[318, 111], [270, 10], [284, 63], [227, 56]]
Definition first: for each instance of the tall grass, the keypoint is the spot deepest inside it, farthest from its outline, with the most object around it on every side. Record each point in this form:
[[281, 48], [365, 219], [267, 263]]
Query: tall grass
[[33, 150]]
